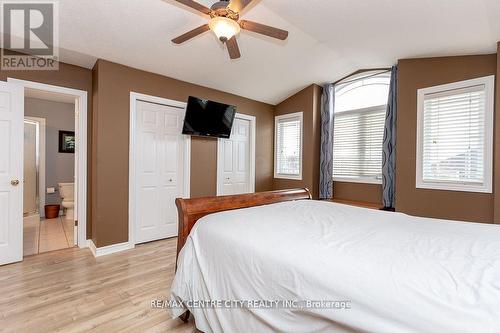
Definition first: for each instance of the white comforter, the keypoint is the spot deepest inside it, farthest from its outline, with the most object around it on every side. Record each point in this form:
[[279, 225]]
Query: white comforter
[[401, 273]]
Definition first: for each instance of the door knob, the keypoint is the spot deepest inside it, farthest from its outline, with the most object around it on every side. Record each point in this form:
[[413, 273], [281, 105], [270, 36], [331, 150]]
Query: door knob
[[14, 182]]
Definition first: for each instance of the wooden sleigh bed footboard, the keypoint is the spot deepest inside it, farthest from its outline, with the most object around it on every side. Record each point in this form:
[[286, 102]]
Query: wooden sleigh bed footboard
[[191, 210]]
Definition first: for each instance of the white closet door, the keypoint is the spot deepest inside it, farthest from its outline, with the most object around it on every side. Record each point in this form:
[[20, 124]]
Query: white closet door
[[11, 172], [159, 170], [234, 158]]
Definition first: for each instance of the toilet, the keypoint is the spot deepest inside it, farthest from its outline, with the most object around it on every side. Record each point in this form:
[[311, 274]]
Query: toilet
[[67, 194]]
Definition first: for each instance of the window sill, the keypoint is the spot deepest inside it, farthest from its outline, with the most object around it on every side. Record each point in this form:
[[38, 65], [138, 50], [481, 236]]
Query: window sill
[[358, 180], [289, 177], [454, 187]]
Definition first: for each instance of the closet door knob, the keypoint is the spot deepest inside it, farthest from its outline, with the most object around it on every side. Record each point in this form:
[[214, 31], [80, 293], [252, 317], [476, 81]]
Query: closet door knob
[[14, 182]]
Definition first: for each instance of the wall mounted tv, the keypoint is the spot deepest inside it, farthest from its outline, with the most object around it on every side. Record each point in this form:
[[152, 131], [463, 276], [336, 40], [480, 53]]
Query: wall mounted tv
[[208, 118]]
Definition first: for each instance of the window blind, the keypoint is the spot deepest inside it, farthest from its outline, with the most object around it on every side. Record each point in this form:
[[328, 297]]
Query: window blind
[[453, 133], [357, 148], [288, 152]]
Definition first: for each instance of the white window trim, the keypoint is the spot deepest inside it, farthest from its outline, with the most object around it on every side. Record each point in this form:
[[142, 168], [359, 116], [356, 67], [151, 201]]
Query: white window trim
[[487, 187], [290, 116], [358, 180], [361, 180]]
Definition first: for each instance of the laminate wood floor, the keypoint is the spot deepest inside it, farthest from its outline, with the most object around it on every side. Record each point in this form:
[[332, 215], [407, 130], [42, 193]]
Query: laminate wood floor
[[71, 291]]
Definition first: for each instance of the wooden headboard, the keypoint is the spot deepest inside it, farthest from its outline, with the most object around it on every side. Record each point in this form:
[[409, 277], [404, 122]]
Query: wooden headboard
[[191, 210]]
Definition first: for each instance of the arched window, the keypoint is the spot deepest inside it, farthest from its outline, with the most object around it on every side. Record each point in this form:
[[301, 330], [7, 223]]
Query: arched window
[[360, 107]]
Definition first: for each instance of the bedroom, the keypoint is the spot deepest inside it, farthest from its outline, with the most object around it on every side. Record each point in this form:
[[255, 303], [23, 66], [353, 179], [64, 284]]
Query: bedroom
[[123, 77]]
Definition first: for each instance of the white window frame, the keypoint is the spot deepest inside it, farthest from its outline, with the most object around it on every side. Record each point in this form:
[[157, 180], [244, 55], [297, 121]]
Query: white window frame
[[487, 186], [277, 119], [361, 180]]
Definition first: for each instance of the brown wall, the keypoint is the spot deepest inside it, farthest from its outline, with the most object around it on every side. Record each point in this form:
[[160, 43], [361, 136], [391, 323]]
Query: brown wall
[[420, 73], [93, 164], [71, 77], [307, 101], [371, 193], [496, 184], [114, 83], [109, 85]]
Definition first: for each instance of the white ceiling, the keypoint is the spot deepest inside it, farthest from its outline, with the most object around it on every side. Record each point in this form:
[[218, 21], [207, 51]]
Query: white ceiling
[[328, 39]]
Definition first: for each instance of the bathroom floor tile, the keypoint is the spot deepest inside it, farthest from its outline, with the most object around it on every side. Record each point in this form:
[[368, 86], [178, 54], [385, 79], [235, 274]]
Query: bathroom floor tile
[[69, 230], [47, 235], [31, 234]]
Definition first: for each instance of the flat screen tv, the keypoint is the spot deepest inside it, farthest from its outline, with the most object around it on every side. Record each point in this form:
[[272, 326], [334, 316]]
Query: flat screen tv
[[208, 118]]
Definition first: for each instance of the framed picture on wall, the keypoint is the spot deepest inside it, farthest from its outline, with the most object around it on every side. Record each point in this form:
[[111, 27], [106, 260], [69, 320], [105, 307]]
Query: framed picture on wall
[[67, 142]]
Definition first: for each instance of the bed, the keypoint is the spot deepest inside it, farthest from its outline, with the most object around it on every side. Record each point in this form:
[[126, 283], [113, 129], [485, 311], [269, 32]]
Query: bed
[[327, 267]]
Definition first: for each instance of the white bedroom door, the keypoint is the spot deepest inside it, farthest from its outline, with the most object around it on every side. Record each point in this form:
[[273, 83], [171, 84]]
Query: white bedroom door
[[11, 172], [159, 174], [236, 159]]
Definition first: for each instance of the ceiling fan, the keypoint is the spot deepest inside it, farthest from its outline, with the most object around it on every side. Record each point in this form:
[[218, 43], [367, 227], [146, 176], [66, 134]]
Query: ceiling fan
[[226, 24]]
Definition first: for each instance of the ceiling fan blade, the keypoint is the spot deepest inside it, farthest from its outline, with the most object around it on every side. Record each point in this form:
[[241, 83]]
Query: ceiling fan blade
[[232, 48], [264, 29], [190, 34], [238, 5], [195, 5]]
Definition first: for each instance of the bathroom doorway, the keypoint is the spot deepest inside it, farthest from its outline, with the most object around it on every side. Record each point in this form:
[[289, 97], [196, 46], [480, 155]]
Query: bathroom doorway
[[49, 172], [62, 185]]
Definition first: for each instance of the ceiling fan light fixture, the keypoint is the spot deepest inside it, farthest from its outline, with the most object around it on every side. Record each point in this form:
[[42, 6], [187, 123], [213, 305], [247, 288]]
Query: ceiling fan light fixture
[[226, 24], [224, 28]]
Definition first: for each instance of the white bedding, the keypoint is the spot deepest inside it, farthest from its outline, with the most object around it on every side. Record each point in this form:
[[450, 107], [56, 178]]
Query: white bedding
[[401, 273]]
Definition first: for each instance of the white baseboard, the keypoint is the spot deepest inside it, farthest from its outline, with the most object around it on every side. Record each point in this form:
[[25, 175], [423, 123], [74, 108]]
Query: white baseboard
[[92, 247], [105, 250], [85, 244]]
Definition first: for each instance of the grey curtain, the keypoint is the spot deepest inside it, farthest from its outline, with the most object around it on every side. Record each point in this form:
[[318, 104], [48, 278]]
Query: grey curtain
[[389, 147], [326, 152]]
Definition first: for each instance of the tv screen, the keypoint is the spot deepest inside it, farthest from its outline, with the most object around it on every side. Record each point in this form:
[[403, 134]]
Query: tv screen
[[208, 118]]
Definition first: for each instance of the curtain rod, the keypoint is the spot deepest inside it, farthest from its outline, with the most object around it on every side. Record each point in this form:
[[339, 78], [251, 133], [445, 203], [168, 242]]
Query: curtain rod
[[382, 70]]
